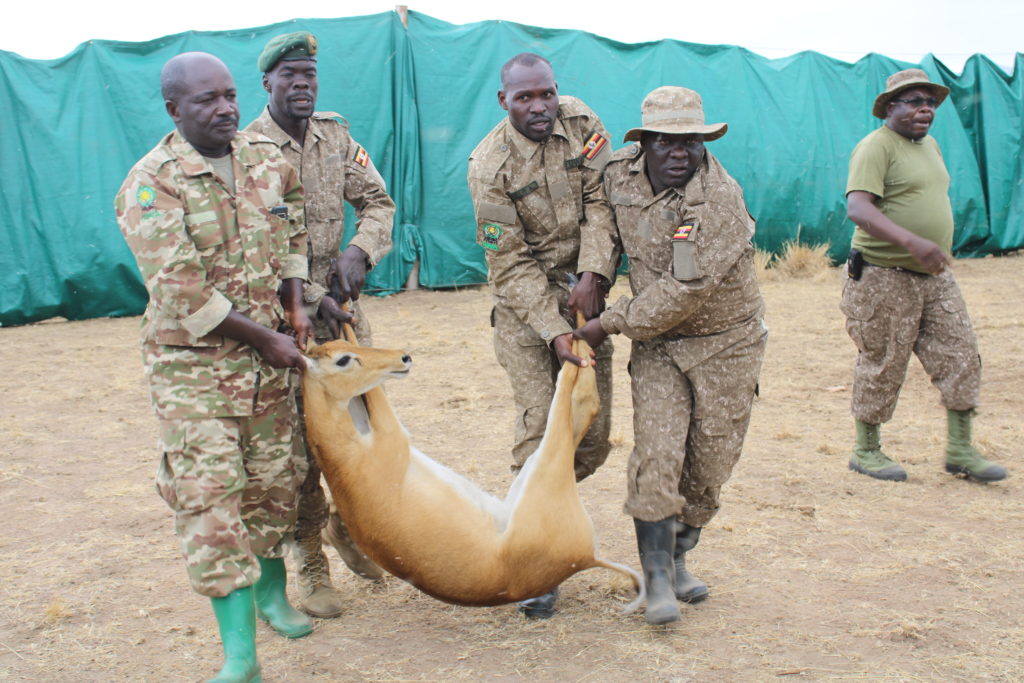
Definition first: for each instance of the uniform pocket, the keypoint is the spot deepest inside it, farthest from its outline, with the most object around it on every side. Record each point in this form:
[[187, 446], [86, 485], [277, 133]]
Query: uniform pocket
[[205, 230]]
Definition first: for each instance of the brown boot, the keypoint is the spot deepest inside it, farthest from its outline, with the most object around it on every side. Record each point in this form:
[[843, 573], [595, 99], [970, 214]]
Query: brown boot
[[337, 535], [317, 595]]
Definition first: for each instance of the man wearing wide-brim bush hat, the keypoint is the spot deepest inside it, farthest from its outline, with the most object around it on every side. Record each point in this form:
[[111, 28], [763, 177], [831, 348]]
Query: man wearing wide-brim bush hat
[[900, 296], [696, 321], [674, 110], [902, 81]]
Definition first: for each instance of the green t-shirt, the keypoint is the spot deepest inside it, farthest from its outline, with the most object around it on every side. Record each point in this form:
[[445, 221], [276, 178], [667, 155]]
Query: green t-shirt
[[912, 185]]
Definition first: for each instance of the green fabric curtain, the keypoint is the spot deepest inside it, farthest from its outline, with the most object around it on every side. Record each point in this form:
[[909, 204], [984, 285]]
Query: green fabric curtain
[[420, 98]]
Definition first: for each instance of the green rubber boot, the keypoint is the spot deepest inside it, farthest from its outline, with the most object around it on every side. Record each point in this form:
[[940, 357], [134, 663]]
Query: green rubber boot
[[868, 457], [961, 456], [236, 617], [272, 604]]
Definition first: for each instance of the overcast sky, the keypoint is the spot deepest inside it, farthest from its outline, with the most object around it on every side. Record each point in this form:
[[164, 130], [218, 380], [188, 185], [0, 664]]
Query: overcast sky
[[951, 29]]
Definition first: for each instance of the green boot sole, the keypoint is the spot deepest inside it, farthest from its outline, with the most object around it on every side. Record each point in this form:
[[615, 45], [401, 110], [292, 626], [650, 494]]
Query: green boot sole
[[991, 473], [891, 473]]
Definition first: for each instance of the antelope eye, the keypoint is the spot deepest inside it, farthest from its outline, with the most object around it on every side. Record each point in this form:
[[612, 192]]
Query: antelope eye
[[343, 361]]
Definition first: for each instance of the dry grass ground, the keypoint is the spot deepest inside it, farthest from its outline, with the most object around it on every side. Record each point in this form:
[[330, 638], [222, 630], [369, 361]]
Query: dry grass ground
[[816, 573]]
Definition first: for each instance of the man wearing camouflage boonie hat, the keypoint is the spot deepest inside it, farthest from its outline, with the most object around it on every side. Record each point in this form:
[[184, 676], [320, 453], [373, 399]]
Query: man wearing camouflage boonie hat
[[535, 180], [334, 169], [696, 321], [214, 219], [900, 296]]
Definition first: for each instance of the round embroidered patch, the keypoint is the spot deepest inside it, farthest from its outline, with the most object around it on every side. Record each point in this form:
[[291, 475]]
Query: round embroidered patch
[[146, 196]]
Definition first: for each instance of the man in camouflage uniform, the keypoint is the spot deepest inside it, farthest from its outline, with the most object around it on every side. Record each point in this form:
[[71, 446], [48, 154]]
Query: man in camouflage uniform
[[535, 180], [696, 324], [214, 219], [334, 168], [900, 296]]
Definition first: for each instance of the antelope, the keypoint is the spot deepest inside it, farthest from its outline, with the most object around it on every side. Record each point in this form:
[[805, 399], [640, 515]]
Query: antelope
[[430, 526]]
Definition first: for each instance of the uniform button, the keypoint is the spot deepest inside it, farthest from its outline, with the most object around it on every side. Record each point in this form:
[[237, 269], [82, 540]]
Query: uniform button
[[504, 148], [545, 334]]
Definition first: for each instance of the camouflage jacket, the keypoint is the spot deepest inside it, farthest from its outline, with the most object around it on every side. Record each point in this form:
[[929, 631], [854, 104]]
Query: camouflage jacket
[[205, 249], [531, 199], [691, 259], [334, 169]]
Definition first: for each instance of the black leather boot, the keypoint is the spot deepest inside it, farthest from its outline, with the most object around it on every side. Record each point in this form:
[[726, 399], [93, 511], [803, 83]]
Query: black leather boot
[[656, 541], [540, 607], [688, 587]]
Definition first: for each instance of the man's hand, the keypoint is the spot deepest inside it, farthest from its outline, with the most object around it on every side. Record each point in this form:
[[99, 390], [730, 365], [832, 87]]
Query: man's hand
[[861, 209], [300, 323], [592, 333], [294, 312], [563, 350], [350, 273], [334, 316], [928, 254], [587, 297], [279, 350]]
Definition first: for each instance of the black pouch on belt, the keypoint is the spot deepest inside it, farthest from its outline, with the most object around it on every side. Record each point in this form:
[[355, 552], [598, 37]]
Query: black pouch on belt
[[854, 264]]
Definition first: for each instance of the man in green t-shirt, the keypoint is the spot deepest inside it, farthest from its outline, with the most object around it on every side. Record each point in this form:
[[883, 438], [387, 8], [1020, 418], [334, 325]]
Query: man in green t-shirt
[[900, 296]]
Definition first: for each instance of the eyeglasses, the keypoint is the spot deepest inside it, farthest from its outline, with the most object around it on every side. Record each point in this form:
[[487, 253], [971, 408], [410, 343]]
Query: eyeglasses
[[918, 102]]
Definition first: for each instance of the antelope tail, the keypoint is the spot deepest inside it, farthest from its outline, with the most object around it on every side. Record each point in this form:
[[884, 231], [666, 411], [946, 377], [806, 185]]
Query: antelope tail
[[636, 577]]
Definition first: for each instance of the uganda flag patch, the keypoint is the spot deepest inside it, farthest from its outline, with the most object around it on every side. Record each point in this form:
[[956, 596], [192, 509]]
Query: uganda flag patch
[[361, 157], [683, 232], [595, 143]]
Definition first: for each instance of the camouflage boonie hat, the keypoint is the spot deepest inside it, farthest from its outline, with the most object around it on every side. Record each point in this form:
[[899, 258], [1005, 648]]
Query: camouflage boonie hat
[[905, 80], [676, 111], [298, 45]]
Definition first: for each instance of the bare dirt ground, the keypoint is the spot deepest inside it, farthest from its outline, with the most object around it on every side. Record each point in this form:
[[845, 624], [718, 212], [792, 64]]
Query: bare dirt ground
[[816, 573]]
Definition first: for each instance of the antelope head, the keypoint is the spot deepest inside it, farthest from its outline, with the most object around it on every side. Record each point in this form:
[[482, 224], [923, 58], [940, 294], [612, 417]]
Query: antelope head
[[346, 370]]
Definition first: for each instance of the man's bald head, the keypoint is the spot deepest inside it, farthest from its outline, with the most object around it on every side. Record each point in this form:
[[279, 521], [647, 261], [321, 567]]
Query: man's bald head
[[175, 72], [199, 94], [522, 59]]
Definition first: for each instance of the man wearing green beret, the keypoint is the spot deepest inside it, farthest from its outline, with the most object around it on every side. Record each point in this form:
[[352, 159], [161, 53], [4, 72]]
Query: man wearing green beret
[[334, 169]]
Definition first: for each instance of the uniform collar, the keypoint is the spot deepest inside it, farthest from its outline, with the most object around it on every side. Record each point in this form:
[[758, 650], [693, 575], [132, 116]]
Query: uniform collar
[[193, 163], [527, 147], [269, 127]]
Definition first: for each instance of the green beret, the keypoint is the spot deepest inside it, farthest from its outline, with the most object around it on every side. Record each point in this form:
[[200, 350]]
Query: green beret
[[298, 45]]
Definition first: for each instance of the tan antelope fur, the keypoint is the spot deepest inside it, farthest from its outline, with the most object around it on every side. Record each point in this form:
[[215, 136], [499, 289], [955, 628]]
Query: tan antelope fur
[[425, 523]]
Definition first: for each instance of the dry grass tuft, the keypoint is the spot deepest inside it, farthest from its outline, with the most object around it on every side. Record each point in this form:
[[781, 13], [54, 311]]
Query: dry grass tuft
[[801, 261], [57, 611], [763, 263], [796, 262]]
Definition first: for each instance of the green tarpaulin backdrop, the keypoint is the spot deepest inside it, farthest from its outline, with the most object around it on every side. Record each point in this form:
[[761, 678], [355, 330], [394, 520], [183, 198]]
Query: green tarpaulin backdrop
[[420, 98]]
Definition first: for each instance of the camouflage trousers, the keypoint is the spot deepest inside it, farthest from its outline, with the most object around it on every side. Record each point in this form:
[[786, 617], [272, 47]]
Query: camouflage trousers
[[891, 313], [532, 369], [315, 508], [232, 483], [689, 423]]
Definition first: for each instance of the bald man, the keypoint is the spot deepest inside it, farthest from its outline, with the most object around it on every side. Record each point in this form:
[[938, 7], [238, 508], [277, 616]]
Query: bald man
[[214, 219]]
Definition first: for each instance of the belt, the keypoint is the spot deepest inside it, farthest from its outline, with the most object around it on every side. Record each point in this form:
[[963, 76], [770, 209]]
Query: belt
[[899, 268]]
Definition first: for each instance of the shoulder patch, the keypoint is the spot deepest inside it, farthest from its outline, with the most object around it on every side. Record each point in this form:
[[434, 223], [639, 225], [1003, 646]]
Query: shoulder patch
[[594, 144], [145, 196], [491, 233], [361, 156]]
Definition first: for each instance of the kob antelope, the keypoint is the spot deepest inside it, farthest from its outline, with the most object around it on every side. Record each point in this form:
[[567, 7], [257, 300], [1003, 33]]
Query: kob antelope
[[430, 526]]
